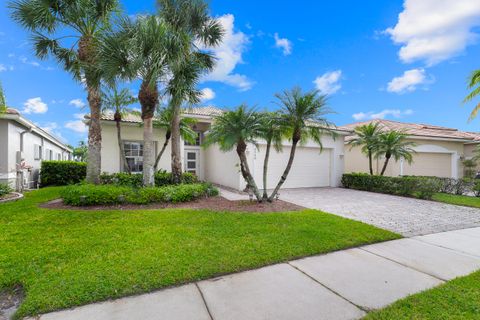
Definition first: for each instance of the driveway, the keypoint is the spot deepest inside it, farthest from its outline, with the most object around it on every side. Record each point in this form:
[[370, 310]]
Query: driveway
[[407, 216]]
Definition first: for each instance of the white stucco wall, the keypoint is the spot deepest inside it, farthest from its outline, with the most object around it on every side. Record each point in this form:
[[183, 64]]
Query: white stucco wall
[[222, 167]]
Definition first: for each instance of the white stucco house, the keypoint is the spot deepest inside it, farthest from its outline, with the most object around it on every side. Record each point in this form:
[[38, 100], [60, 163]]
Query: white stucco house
[[311, 167], [22, 139]]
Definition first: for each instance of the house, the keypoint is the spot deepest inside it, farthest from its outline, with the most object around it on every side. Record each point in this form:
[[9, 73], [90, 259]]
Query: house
[[22, 139], [440, 151], [311, 168]]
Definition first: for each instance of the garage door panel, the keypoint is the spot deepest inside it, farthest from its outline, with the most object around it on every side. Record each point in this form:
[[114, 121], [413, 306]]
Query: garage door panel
[[310, 168], [429, 164]]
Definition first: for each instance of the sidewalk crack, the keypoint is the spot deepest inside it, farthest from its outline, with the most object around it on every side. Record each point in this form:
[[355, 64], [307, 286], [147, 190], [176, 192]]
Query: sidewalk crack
[[204, 301]]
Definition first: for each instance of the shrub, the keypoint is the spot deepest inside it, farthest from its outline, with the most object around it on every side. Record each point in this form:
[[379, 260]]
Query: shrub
[[122, 179], [462, 186], [61, 173], [164, 178], [87, 194], [476, 188], [5, 189]]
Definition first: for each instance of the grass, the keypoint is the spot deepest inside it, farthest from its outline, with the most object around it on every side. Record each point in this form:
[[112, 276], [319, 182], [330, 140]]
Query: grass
[[457, 199], [65, 258], [457, 299]]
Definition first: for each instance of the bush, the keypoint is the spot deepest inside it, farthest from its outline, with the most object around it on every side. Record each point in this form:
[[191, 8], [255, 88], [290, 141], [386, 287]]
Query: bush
[[162, 178], [476, 188], [61, 173], [5, 189], [87, 194]]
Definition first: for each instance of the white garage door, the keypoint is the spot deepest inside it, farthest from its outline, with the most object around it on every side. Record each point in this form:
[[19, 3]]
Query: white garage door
[[310, 168], [429, 164]]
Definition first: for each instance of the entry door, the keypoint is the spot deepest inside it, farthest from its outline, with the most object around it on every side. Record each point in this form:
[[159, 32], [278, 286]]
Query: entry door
[[192, 161]]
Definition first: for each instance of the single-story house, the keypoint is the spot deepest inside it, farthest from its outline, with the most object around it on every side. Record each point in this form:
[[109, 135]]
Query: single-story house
[[22, 139], [440, 151], [311, 168]]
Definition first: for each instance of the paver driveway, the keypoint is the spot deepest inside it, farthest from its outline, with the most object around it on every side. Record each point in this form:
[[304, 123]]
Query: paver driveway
[[407, 216]]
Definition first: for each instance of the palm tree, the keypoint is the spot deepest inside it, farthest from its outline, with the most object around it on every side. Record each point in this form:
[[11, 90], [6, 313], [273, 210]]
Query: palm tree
[[80, 153], [69, 31], [3, 103], [473, 83], [117, 101], [164, 121], [304, 116], [190, 20], [273, 132], [236, 129], [394, 144], [366, 136]]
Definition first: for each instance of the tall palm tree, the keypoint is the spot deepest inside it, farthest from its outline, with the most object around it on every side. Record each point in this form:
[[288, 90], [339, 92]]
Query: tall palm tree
[[304, 116], [69, 31], [366, 137], [190, 20], [394, 144], [164, 121], [474, 83], [273, 132], [236, 129], [117, 102]]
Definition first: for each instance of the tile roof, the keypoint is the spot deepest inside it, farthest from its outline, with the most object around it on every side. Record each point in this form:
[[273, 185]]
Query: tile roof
[[421, 130]]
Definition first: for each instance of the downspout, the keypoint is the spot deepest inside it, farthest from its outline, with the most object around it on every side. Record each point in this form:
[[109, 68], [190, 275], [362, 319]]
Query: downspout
[[18, 161]]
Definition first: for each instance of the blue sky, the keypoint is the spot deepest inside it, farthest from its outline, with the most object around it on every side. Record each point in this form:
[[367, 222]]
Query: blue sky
[[405, 60]]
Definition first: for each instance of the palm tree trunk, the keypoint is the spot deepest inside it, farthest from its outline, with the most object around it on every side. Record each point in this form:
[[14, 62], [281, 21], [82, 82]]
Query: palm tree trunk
[[121, 148], [385, 164], [159, 156], [287, 169], [265, 169], [148, 152], [245, 170], [370, 165], [94, 159], [176, 147]]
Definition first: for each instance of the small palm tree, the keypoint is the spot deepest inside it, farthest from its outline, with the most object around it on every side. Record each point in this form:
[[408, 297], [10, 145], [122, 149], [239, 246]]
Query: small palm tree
[[394, 144], [304, 117], [3, 102], [366, 137], [236, 129], [474, 83], [164, 121], [70, 32], [117, 102]]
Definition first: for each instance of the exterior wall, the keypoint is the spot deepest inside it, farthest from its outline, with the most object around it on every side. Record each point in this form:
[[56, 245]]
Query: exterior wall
[[223, 168], [5, 174]]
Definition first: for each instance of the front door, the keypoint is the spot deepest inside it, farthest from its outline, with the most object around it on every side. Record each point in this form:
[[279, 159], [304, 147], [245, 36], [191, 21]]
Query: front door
[[192, 161]]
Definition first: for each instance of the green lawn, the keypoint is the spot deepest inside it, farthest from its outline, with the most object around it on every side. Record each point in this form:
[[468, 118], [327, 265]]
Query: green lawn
[[457, 199], [457, 299], [65, 258]]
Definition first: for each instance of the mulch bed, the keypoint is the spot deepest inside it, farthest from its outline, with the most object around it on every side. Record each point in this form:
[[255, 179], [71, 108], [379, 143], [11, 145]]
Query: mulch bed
[[10, 300], [10, 197], [213, 203]]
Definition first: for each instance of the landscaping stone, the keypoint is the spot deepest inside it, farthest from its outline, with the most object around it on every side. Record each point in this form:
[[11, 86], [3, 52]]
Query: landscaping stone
[[439, 262], [276, 292], [455, 240], [365, 279]]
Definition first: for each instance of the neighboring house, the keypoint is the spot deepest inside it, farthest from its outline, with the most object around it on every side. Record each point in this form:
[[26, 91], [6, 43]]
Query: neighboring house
[[440, 151], [22, 139], [311, 168]]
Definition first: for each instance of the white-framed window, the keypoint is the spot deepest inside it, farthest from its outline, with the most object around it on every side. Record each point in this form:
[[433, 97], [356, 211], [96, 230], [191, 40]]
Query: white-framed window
[[198, 139], [37, 152], [59, 156], [134, 155], [48, 154]]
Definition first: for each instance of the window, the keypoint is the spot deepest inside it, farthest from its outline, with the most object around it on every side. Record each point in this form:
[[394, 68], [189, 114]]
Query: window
[[134, 155], [198, 140], [48, 154], [59, 156], [37, 152]]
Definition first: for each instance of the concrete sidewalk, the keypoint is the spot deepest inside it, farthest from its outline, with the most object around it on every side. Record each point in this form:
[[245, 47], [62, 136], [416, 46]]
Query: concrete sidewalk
[[341, 285]]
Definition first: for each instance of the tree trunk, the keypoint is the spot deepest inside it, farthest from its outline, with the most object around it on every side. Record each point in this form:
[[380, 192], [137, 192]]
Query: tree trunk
[[148, 153], [94, 159], [387, 158], [370, 165], [287, 169], [176, 147], [120, 145], [245, 170], [265, 169], [159, 156]]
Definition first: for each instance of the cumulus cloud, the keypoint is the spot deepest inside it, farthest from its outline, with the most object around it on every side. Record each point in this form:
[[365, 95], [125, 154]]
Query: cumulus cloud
[[328, 83], [77, 103], [207, 94], [409, 81], [35, 105], [229, 55], [395, 113], [435, 30], [284, 44], [77, 125]]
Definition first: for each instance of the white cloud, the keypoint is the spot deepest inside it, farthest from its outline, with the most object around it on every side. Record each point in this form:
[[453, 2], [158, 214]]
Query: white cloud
[[229, 54], [2, 68], [77, 103], [395, 113], [207, 94], [284, 44], [435, 30], [409, 81], [35, 105], [52, 128], [77, 125], [328, 83]]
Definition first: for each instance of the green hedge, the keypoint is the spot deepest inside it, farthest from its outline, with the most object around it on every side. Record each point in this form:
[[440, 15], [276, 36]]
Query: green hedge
[[62, 173], [420, 187], [87, 194], [162, 178], [5, 189]]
